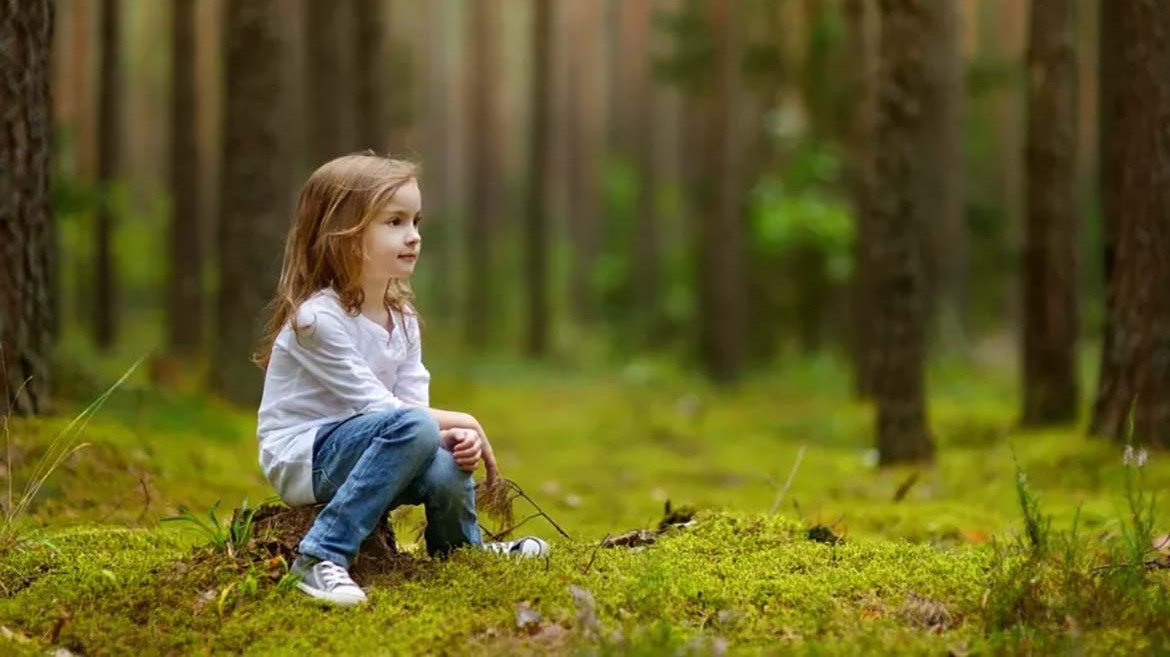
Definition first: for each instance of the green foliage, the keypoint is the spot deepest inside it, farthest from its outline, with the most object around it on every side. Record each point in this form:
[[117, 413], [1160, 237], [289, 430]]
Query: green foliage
[[784, 223], [231, 538]]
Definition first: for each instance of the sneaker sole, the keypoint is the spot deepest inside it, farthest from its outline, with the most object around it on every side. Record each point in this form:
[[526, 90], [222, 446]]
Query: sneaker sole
[[334, 599]]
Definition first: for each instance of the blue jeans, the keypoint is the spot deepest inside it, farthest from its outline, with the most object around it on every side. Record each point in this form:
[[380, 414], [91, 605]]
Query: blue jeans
[[368, 464]]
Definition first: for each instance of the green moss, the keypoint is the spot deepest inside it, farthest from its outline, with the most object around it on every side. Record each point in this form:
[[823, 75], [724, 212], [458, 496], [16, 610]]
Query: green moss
[[602, 457]]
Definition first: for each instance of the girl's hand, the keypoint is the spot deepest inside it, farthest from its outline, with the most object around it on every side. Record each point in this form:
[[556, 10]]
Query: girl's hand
[[465, 445]]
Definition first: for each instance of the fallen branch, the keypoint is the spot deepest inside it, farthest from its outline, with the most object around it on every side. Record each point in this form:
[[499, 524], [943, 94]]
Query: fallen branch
[[1151, 564]]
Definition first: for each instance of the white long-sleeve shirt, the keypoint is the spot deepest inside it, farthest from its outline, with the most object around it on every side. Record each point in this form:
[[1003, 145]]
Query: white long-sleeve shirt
[[340, 366]]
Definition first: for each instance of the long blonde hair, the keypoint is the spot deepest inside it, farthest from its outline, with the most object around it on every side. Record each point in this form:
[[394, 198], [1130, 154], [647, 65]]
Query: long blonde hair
[[324, 246]]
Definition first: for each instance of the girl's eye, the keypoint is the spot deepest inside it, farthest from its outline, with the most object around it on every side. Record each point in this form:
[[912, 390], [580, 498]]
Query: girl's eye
[[395, 222], [417, 220]]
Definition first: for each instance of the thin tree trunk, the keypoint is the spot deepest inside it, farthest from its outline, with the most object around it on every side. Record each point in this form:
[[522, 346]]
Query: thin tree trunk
[[484, 210], [369, 54], [27, 236], [719, 228], [257, 170], [330, 76], [1138, 155], [185, 283], [862, 59], [900, 234], [586, 151], [946, 259], [536, 237], [106, 300], [1050, 238], [1103, 422], [441, 185], [636, 141]]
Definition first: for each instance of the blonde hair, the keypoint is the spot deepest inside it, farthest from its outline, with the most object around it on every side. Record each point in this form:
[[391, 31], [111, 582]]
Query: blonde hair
[[324, 245]]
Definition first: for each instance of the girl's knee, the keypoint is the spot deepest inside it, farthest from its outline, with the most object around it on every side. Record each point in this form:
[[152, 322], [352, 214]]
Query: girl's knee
[[424, 428], [415, 425], [446, 478]]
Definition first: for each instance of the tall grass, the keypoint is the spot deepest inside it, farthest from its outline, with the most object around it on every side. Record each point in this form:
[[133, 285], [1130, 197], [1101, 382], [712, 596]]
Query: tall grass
[[13, 532]]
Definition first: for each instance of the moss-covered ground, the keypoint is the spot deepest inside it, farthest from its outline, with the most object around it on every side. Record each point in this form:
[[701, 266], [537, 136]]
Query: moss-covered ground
[[932, 561]]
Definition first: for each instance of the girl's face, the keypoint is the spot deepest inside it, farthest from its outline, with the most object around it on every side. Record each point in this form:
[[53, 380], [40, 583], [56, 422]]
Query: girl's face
[[391, 240]]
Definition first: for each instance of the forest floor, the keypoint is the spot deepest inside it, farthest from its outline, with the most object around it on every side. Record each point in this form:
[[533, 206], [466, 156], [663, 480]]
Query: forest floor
[[1012, 542]]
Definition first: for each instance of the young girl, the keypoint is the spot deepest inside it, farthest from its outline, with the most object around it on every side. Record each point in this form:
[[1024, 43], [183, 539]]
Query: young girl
[[344, 418]]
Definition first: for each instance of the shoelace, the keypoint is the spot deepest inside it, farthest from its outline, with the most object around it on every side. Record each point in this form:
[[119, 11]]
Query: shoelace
[[502, 547], [333, 575]]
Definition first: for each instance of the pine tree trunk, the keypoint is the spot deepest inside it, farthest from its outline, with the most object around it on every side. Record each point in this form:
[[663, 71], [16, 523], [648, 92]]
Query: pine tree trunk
[[1137, 155], [900, 234], [185, 282], [862, 59], [330, 76], [27, 236], [441, 187], [636, 141], [719, 228], [256, 203], [1103, 422], [485, 178], [106, 300], [536, 237], [369, 53], [1050, 238], [946, 262], [586, 114]]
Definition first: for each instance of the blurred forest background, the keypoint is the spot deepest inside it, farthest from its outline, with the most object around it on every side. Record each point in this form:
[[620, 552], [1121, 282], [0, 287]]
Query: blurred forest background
[[729, 185]]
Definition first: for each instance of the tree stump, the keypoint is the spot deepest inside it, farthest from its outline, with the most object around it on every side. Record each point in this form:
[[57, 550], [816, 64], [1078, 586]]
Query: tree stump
[[278, 530]]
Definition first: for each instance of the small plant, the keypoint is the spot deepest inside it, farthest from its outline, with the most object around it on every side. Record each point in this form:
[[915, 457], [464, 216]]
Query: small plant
[[12, 532], [231, 538], [1037, 526], [1137, 529]]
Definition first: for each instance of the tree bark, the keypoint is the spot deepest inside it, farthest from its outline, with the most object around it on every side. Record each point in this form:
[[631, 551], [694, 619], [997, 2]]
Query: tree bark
[[27, 236], [536, 237], [719, 223], [185, 283], [862, 59], [900, 233], [586, 118], [636, 141], [1050, 239], [369, 52], [485, 177], [946, 258], [1108, 65], [1137, 157], [331, 80], [105, 309], [256, 204]]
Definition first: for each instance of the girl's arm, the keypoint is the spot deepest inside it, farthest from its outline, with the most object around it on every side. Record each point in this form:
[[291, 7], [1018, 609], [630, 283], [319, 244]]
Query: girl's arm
[[454, 420]]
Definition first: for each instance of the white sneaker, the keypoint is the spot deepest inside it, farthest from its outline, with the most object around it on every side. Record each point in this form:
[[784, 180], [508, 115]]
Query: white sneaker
[[529, 546], [327, 581]]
